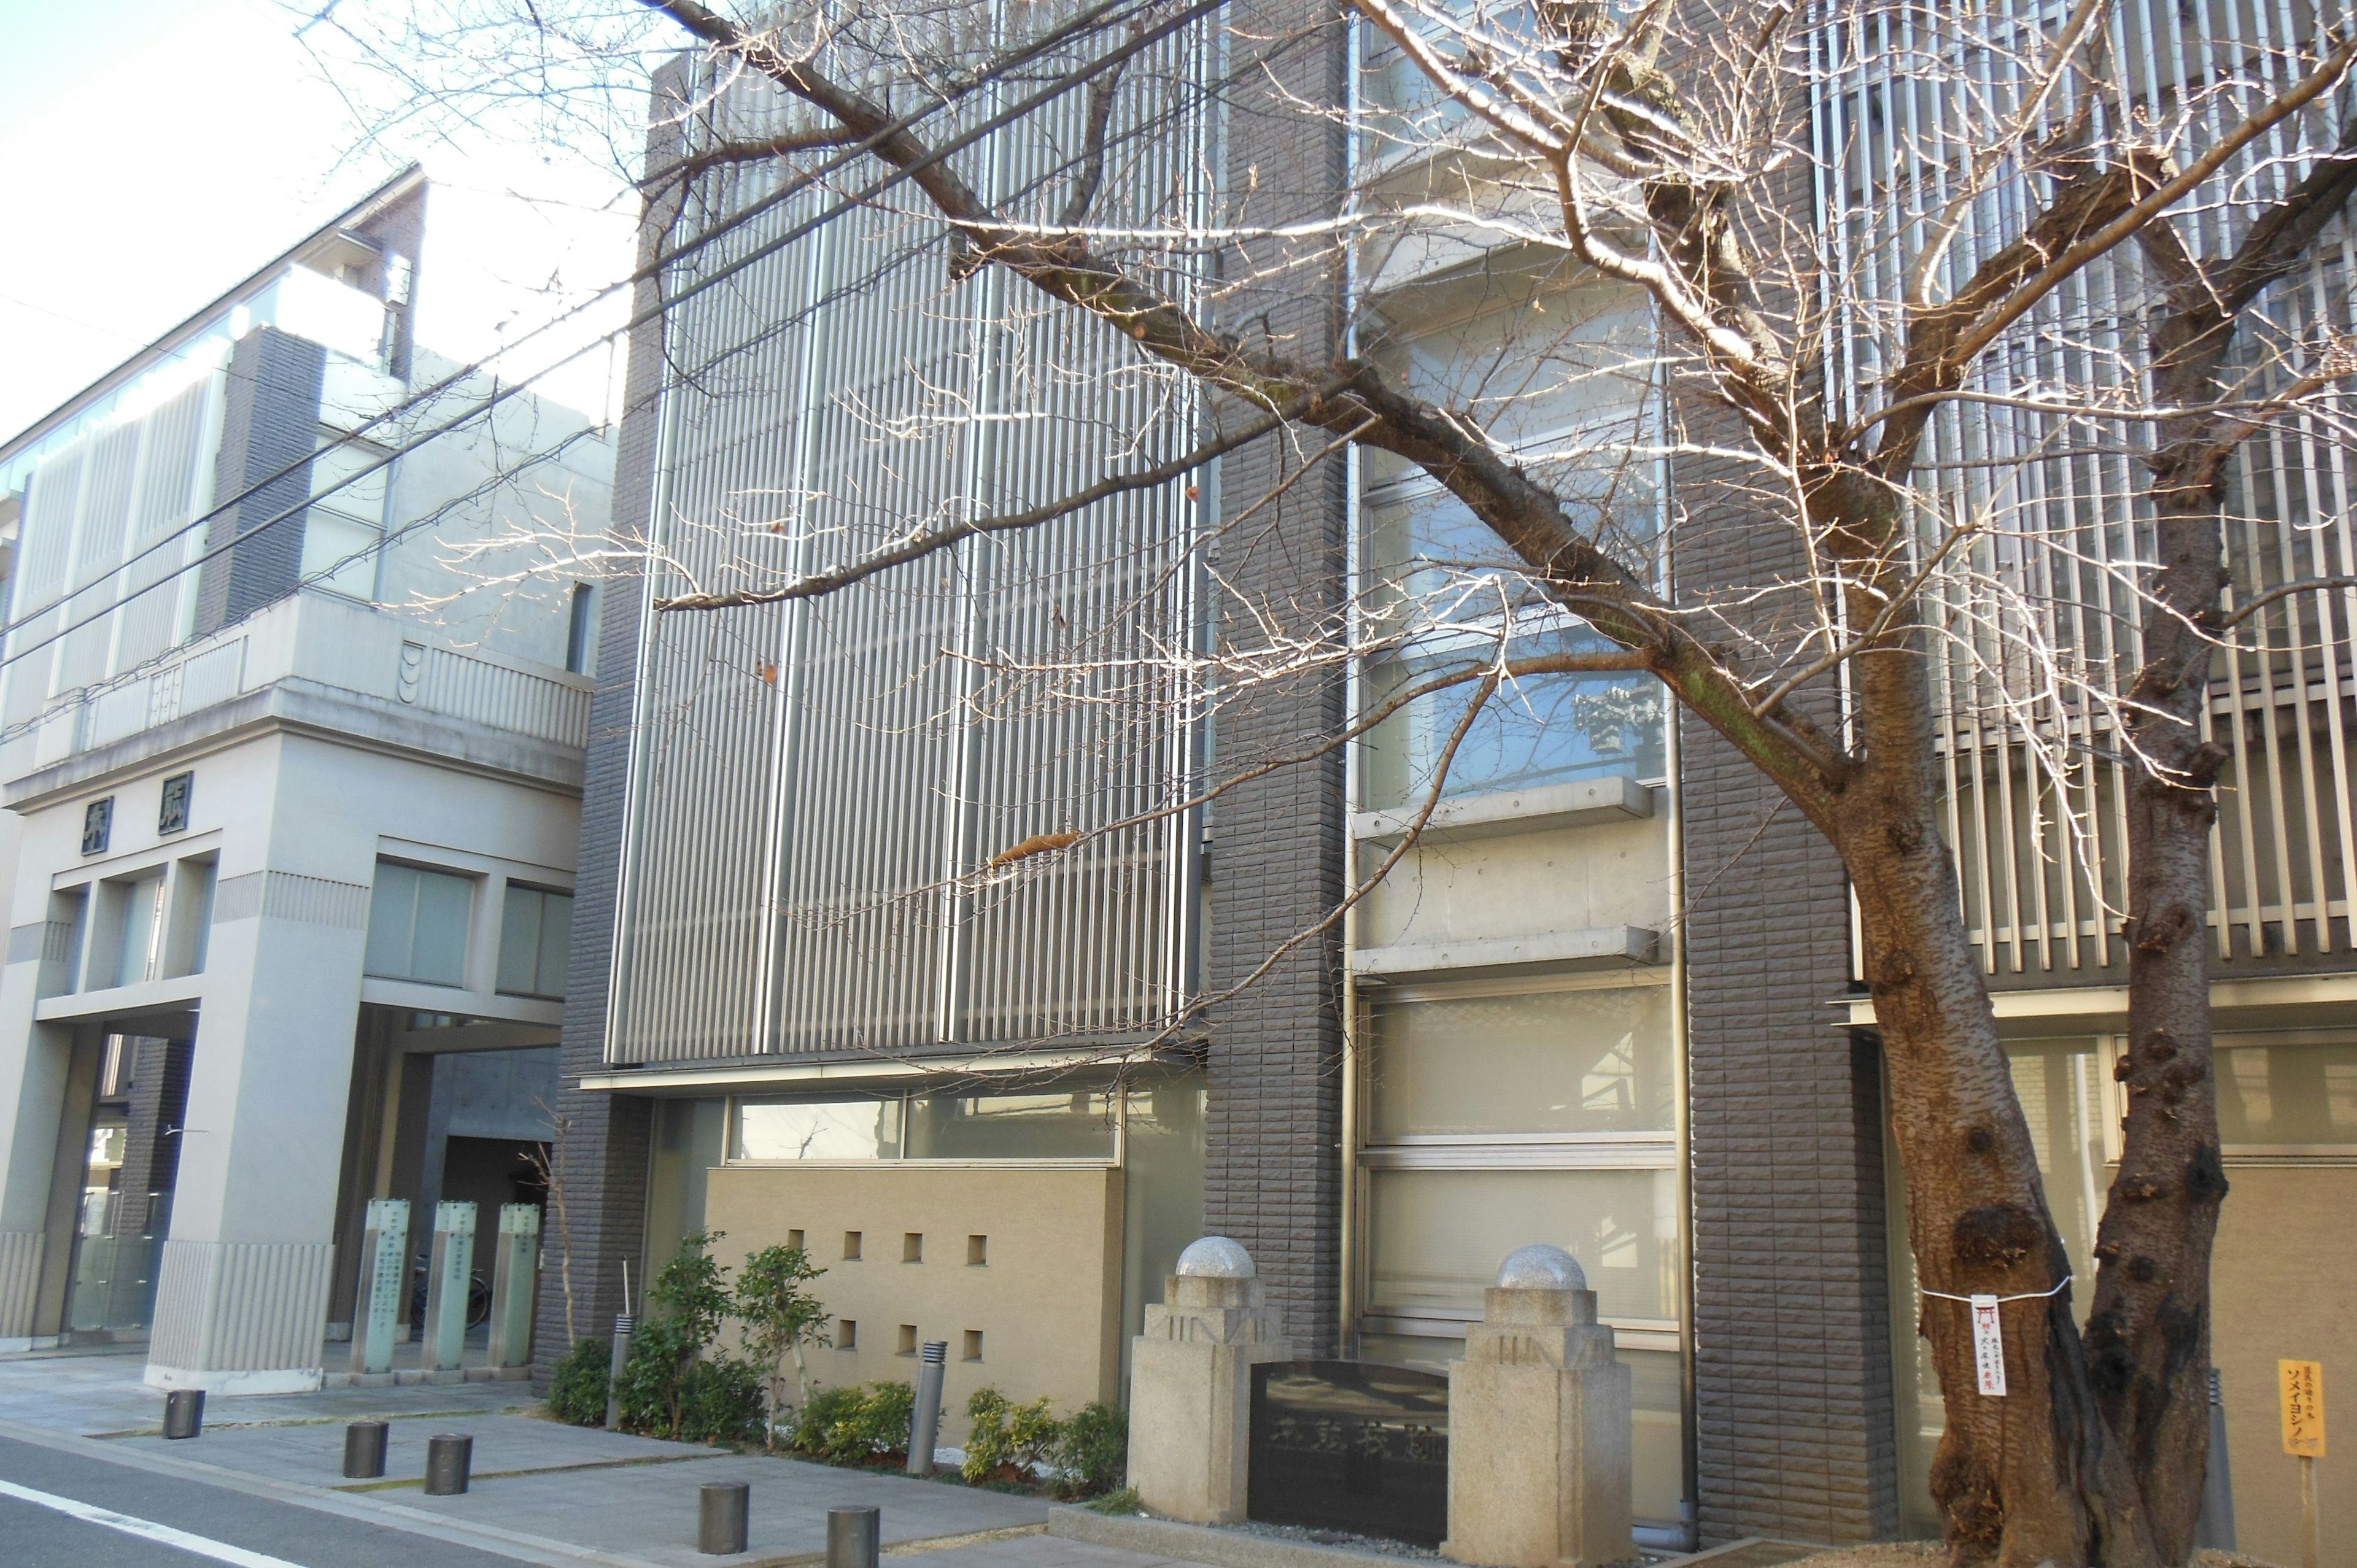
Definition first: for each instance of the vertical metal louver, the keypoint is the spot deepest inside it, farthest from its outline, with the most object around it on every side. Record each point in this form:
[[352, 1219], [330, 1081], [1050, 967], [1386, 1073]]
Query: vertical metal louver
[[100, 522], [815, 785], [1905, 99]]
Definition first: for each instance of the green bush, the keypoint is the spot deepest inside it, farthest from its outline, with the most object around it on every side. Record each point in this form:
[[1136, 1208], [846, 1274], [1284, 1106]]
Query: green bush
[[1091, 1451], [1007, 1441], [577, 1391], [720, 1400], [856, 1425], [674, 1385]]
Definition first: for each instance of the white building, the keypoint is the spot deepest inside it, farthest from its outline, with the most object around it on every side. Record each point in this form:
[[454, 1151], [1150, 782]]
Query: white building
[[296, 811]]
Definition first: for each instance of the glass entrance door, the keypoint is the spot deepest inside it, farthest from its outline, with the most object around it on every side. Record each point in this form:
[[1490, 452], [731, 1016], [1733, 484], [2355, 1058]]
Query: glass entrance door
[[128, 1173]]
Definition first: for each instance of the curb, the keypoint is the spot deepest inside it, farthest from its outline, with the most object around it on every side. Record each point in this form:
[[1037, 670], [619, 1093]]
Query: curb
[[1205, 1542]]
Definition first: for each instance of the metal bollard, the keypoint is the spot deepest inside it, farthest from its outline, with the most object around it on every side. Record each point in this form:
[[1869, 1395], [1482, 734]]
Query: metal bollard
[[184, 1412], [624, 1327], [448, 1458], [721, 1511], [364, 1450], [925, 1415], [852, 1537]]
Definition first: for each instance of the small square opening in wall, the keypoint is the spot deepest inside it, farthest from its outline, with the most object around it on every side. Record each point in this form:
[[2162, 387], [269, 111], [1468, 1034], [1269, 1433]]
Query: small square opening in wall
[[973, 1344], [908, 1340], [977, 1251], [794, 1239], [847, 1334], [851, 1246], [912, 1246]]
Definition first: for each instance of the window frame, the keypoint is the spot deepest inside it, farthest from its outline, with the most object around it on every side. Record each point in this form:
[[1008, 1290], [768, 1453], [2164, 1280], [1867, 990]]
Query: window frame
[[474, 884], [1533, 1152]]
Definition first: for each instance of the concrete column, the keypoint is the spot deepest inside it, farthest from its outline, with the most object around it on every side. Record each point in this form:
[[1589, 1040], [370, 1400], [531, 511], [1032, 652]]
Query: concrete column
[[1539, 1426], [242, 1296], [36, 1061], [1191, 1385]]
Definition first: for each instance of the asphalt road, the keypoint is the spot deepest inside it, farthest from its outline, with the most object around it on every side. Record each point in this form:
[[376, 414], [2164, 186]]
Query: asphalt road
[[224, 1526]]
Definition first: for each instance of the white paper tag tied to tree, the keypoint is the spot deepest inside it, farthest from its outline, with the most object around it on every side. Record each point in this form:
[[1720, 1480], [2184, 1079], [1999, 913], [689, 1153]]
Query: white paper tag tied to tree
[[1989, 1346]]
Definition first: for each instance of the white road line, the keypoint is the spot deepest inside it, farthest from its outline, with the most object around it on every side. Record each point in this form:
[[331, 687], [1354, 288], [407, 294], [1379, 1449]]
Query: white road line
[[218, 1551]]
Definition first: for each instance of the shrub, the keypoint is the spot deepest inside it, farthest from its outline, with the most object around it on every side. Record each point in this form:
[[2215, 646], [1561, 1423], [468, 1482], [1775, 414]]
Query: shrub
[[1092, 1450], [1009, 1442], [856, 1425], [577, 1391], [1126, 1500], [720, 1400]]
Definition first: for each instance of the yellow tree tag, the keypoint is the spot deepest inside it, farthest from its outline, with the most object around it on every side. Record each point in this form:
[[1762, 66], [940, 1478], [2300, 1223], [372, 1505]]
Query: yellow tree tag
[[2303, 1408]]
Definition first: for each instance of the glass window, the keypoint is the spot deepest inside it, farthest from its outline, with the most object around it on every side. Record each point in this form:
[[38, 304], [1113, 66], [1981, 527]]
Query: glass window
[[2277, 1096], [535, 935], [138, 937], [2059, 1083], [419, 922], [1543, 729], [1556, 1061], [861, 1129], [345, 522], [1436, 1237], [1040, 1126]]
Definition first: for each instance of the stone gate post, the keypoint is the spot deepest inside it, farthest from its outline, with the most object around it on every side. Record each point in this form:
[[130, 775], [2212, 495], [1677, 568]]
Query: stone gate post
[[1539, 1425], [1191, 1385]]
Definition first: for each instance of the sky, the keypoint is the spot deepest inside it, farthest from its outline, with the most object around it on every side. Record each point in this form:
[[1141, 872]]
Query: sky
[[144, 174]]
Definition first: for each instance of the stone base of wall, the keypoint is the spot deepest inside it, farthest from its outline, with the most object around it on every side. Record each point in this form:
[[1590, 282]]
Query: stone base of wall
[[240, 1316]]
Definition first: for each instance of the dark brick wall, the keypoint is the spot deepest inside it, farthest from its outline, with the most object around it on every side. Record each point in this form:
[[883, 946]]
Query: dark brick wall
[[1273, 1169], [1792, 1322], [604, 1142], [270, 420]]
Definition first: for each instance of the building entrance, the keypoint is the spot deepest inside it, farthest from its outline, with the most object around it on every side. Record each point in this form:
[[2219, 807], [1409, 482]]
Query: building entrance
[[130, 1166]]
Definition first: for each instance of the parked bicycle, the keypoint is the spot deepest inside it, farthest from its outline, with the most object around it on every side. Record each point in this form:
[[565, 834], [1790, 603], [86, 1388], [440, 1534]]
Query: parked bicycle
[[478, 1295]]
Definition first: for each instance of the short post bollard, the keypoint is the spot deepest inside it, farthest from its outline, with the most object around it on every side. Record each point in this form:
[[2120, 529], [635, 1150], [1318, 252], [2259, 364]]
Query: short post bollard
[[925, 1413], [364, 1450], [721, 1511], [448, 1458], [624, 1325], [184, 1412], [852, 1537]]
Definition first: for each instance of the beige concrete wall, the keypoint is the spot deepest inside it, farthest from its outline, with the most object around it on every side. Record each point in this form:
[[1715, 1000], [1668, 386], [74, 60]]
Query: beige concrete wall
[[2283, 1286], [1604, 874], [1047, 1301]]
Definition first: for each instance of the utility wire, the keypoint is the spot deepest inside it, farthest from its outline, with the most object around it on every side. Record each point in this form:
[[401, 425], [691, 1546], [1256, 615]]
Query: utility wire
[[1136, 43]]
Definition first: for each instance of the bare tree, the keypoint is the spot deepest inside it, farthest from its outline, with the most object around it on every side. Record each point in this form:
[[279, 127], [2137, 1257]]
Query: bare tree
[[1852, 227]]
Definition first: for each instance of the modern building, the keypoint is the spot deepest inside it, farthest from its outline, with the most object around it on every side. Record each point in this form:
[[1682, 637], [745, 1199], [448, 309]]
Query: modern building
[[296, 773], [1609, 1000]]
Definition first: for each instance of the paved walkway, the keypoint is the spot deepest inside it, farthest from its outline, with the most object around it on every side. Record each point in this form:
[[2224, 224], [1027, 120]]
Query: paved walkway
[[542, 1492]]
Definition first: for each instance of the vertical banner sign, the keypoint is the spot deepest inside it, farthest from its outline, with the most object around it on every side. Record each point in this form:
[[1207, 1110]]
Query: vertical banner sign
[[2303, 1408], [1989, 1346], [387, 1259]]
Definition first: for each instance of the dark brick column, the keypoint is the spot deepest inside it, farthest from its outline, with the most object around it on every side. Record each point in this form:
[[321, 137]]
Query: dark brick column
[[605, 1140], [1273, 1171], [270, 420], [1791, 1323]]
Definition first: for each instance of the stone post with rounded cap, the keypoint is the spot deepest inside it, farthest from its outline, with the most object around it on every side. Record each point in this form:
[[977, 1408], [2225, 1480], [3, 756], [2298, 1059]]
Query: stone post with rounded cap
[[1539, 1425], [1191, 1385]]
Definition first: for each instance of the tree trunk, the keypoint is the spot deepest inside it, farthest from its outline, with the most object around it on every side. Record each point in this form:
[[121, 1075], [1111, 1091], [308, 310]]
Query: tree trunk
[[2028, 1476], [2148, 1336]]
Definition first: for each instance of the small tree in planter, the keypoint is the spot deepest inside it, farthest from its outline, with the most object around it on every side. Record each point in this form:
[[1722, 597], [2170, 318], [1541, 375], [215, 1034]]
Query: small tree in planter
[[780, 1317], [670, 1386]]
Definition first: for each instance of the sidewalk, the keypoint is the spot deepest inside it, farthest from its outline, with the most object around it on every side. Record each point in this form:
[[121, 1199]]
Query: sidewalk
[[542, 1492]]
